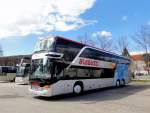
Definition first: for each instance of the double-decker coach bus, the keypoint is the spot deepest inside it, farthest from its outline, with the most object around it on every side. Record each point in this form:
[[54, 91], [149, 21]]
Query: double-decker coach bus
[[22, 74], [61, 66], [23, 71]]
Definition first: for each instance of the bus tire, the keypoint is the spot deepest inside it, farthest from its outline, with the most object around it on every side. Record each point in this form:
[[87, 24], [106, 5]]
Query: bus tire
[[123, 83], [118, 83], [78, 88]]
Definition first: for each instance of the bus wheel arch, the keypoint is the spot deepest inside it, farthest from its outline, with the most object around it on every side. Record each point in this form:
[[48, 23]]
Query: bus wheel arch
[[123, 82], [78, 87]]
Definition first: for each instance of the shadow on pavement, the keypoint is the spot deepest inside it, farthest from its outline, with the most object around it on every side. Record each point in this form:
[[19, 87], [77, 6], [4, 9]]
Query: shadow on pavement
[[6, 82]]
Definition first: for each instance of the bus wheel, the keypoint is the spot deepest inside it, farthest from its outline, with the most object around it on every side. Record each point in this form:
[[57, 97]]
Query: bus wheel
[[77, 89], [117, 83], [123, 83]]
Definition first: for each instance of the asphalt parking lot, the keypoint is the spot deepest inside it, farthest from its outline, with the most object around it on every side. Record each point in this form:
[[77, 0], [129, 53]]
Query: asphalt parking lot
[[134, 98]]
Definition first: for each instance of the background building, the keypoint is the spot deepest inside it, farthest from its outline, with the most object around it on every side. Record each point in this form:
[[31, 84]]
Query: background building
[[11, 60], [138, 64]]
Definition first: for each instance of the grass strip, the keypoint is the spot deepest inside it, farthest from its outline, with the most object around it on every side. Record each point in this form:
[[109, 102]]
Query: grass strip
[[140, 80]]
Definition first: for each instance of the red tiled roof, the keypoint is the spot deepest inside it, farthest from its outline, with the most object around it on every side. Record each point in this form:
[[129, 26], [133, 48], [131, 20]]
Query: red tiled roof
[[137, 57]]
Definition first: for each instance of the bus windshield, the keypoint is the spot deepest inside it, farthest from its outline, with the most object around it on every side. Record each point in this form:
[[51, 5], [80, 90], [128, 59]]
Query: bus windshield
[[20, 71], [39, 70], [46, 45]]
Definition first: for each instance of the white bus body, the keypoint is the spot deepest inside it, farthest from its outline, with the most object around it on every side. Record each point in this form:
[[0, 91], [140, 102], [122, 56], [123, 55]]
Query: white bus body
[[73, 68], [22, 75]]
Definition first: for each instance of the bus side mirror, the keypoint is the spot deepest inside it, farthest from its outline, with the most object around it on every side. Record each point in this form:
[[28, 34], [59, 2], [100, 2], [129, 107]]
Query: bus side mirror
[[45, 60]]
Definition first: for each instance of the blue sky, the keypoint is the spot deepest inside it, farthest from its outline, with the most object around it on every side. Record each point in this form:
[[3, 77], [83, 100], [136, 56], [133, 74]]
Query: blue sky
[[108, 18]]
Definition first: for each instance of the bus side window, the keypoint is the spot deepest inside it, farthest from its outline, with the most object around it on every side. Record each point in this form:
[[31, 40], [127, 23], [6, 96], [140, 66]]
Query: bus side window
[[91, 72], [107, 73], [83, 73], [70, 73], [26, 70], [97, 73], [58, 72]]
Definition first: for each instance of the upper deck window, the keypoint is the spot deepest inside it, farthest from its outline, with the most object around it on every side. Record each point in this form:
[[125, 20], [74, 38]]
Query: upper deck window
[[44, 44]]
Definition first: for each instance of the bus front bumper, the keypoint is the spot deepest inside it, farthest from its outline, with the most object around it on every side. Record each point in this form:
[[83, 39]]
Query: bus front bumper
[[41, 92]]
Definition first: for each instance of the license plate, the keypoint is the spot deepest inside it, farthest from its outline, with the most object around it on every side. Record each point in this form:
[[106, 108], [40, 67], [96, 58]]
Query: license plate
[[37, 88]]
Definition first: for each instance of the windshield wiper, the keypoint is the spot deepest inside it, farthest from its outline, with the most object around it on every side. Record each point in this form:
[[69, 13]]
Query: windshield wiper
[[40, 51]]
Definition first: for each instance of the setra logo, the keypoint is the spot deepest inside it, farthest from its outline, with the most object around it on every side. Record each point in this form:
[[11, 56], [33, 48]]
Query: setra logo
[[88, 62]]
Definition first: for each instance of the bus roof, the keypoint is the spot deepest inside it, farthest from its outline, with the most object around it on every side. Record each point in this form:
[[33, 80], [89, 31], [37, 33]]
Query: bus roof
[[99, 49]]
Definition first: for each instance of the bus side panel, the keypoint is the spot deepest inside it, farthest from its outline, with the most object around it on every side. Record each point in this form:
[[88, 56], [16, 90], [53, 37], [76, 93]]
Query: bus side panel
[[88, 84], [58, 87], [91, 84], [66, 86], [69, 84], [97, 83], [121, 73]]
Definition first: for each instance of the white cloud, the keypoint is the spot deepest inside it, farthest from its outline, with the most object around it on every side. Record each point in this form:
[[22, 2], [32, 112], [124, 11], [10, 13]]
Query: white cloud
[[23, 17], [103, 34], [124, 18]]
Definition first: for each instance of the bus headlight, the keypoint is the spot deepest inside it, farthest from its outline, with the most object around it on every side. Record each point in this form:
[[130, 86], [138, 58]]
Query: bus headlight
[[46, 87]]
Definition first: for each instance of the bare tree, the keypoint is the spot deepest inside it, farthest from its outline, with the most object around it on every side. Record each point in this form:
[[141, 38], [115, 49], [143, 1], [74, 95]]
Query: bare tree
[[104, 43], [125, 52], [1, 51], [142, 38], [85, 39], [122, 45]]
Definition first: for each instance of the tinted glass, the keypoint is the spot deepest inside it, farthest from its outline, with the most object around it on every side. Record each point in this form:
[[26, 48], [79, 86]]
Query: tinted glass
[[70, 73], [84, 73], [100, 55], [45, 44], [68, 48], [107, 73]]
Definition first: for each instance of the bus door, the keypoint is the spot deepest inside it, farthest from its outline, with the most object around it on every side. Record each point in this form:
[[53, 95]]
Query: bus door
[[59, 86], [69, 76]]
